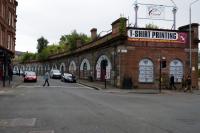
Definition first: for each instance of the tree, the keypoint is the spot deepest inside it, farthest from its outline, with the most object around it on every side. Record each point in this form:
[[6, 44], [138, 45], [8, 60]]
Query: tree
[[151, 26], [72, 38], [43, 55], [28, 57], [42, 43]]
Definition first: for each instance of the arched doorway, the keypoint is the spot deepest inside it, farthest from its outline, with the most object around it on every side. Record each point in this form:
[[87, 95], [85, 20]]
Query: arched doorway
[[54, 67], [103, 68], [72, 67], [62, 68], [104, 64], [85, 68]]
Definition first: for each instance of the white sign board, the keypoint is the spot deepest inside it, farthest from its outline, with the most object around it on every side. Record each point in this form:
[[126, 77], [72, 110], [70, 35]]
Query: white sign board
[[156, 12]]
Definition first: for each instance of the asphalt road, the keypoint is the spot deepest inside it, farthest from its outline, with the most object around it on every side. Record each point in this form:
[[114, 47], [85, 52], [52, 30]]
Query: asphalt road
[[73, 108]]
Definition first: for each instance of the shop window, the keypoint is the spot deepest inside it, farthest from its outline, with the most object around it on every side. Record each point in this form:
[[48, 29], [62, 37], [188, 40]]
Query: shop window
[[176, 69], [146, 71]]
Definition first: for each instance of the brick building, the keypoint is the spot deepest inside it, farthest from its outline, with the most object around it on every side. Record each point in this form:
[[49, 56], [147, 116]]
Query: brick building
[[7, 36], [129, 54]]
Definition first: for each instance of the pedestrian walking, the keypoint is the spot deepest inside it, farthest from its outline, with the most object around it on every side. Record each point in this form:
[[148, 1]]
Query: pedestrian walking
[[46, 78], [188, 84], [183, 83], [19, 72], [172, 85]]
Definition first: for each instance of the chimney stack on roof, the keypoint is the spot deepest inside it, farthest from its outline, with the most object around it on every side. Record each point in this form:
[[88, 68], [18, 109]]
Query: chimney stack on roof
[[93, 34]]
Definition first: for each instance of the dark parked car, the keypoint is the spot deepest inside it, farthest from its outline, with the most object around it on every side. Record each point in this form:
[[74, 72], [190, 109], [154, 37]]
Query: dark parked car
[[67, 77], [30, 76]]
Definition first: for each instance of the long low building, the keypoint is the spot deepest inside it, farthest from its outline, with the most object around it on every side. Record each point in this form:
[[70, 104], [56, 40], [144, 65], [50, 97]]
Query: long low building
[[129, 57]]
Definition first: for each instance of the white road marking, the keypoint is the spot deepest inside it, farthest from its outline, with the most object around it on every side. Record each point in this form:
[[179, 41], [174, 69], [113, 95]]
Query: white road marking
[[48, 131], [67, 87], [5, 92], [18, 122]]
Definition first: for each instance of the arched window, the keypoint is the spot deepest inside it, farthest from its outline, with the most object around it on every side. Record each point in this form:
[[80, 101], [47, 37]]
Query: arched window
[[85, 63], [176, 69], [146, 71]]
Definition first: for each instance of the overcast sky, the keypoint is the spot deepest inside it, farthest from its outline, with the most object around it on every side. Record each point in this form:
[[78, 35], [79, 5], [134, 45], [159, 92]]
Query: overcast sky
[[53, 18]]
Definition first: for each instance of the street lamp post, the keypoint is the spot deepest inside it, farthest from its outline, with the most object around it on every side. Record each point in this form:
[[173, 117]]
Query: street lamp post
[[136, 14], [190, 33]]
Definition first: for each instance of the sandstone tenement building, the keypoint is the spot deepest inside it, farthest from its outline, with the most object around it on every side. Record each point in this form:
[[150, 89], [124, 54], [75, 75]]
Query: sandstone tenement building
[[8, 19]]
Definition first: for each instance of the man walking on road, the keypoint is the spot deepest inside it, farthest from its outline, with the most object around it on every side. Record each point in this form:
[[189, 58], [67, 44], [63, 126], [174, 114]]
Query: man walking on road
[[46, 78], [172, 82], [189, 83]]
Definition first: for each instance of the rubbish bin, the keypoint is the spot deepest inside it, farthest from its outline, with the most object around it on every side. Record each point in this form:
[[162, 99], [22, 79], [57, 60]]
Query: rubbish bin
[[127, 83]]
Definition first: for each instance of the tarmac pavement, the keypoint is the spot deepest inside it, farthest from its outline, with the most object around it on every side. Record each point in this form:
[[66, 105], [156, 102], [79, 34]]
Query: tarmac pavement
[[74, 108]]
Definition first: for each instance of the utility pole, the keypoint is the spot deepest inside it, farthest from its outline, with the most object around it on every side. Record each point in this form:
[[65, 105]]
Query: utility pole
[[160, 72], [4, 69], [190, 34]]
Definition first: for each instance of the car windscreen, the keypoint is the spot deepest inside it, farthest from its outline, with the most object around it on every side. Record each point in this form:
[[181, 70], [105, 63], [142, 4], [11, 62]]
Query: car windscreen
[[56, 71], [30, 74], [67, 75]]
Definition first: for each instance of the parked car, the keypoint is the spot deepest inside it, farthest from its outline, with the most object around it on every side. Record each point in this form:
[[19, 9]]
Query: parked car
[[15, 72], [24, 73], [21, 73], [30, 76], [67, 77], [55, 74]]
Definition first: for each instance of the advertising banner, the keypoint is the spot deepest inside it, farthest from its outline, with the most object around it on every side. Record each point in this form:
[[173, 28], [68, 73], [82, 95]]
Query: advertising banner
[[157, 36]]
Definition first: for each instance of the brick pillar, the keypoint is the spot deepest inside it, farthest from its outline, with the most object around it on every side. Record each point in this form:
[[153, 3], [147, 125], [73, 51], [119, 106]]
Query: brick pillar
[[195, 41]]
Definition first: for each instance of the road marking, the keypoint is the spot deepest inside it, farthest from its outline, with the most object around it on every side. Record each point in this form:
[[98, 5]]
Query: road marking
[[67, 87], [18, 122], [85, 86], [5, 92], [48, 131]]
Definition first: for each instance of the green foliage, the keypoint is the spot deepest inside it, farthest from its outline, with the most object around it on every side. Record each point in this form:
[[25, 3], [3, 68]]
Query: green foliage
[[71, 39], [42, 43], [43, 55], [122, 27], [67, 42], [151, 26], [51, 50], [28, 57]]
